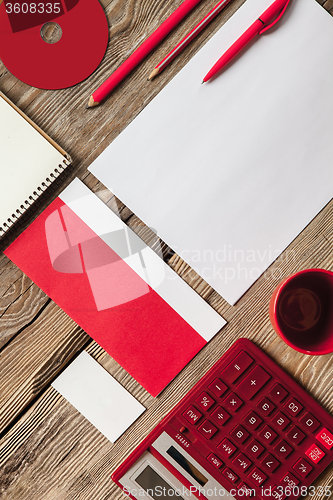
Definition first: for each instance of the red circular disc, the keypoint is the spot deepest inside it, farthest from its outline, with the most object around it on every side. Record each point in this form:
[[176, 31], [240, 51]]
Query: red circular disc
[[62, 64]]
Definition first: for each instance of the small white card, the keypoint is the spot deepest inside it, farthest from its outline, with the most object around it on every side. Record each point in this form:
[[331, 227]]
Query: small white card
[[98, 396]]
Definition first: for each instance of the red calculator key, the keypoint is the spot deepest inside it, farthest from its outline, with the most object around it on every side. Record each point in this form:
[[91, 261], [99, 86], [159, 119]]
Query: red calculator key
[[246, 491], [315, 453], [293, 407], [252, 420], [278, 493], [242, 462], [257, 477], [254, 448], [282, 449], [325, 437], [214, 460], [295, 435], [265, 406], [226, 448], [207, 429], [253, 382], [302, 467], [205, 401], [239, 434], [277, 393], [230, 475], [233, 402], [267, 434], [218, 388], [269, 463], [280, 420], [220, 415], [308, 422], [192, 415], [238, 366], [288, 480]]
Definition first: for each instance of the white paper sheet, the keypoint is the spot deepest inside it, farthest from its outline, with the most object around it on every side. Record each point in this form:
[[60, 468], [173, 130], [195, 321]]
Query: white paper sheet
[[98, 396], [230, 172]]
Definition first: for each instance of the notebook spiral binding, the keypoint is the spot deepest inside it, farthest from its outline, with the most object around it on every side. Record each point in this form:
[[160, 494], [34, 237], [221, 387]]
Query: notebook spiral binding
[[6, 225]]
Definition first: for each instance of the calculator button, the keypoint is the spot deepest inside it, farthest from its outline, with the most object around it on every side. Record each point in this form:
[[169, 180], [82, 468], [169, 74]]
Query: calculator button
[[218, 388], [246, 491], [293, 407], [239, 434], [269, 463], [226, 448], [207, 429], [220, 415], [267, 434], [242, 462], [229, 474], [238, 366], [192, 415], [277, 393], [255, 448], [253, 382], [256, 476], [325, 437], [214, 460], [282, 449], [265, 406], [205, 401], [252, 420], [289, 480], [308, 422], [315, 453], [295, 435], [280, 420], [277, 493], [302, 468], [233, 402]]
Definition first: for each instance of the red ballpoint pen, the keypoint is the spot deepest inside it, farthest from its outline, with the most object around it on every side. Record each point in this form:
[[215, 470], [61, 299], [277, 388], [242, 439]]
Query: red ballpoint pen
[[259, 26]]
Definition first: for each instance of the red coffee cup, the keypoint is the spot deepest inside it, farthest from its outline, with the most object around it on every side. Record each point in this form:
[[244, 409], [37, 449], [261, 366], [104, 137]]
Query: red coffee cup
[[301, 311]]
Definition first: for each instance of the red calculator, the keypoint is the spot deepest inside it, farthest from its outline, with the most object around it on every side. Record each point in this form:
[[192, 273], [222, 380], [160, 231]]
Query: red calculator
[[245, 430]]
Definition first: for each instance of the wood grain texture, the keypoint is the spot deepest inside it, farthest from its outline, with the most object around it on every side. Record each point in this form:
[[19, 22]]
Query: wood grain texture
[[48, 451], [35, 355]]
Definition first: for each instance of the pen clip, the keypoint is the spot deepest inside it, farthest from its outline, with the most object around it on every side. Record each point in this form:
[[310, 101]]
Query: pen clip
[[275, 20]]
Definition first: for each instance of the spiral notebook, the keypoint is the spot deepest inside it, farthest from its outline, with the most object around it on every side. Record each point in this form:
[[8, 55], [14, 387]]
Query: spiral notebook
[[30, 161]]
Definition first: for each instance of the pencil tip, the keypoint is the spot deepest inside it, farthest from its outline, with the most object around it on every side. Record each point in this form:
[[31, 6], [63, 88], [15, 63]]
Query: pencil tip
[[203, 81], [92, 102]]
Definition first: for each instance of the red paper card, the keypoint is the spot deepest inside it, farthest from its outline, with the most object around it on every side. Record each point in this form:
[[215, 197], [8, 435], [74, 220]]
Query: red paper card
[[117, 289]]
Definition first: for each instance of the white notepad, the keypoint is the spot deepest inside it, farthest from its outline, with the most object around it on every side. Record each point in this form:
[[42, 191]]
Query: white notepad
[[29, 162], [230, 172], [98, 396]]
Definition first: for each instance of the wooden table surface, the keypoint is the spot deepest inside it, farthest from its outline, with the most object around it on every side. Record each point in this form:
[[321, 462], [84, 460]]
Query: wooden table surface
[[47, 449]]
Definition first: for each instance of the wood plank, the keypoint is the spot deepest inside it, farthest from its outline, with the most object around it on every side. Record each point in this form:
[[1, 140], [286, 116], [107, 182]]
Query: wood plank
[[34, 357], [20, 301]]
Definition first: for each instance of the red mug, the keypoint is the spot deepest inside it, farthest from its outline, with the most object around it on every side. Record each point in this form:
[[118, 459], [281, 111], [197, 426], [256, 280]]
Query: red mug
[[301, 311]]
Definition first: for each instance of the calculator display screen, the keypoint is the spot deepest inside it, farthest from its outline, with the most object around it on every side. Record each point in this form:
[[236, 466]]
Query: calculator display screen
[[155, 485], [186, 465]]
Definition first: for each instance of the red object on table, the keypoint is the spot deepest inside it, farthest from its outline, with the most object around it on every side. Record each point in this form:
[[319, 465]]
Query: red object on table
[[189, 37], [142, 51], [259, 26]]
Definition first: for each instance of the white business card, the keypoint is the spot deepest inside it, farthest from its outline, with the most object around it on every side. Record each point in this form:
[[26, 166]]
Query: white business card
[[98, 396]]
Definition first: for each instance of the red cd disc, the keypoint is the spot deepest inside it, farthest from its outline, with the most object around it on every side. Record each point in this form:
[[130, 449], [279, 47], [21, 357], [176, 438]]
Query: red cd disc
[[57, 65]]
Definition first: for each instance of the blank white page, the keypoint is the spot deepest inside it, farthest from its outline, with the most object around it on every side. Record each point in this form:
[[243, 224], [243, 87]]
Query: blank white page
[[230, 172], [26, 159]]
